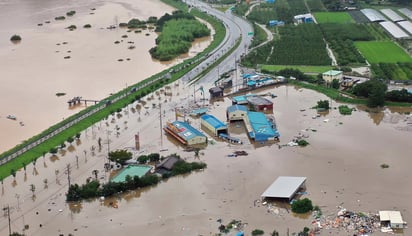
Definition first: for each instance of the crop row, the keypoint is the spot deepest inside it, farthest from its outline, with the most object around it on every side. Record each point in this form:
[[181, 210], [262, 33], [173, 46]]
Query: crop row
[[392, 71]]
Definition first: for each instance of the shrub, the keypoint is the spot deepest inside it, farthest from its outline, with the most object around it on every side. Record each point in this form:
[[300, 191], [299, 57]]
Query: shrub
[[87, 26], [257, 232], [72, 27], [71, 13], [60, 18], [303, 143], [15, 38], [345, 110], [302, 206]]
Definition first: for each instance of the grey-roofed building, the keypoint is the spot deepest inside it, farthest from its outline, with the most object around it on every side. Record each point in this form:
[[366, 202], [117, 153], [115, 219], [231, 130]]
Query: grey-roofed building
[[167, 163], [258, 103], [394, 30], [392, 15], [216, 92], [373, 15], [284, 187], [406, 12], [406, 25]]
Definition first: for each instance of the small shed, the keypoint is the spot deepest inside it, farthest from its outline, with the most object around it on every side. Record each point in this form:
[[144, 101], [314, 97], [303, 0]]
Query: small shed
[[392, 219], [212, 124], [258, 103], [216, 92], [236, 112], [330, 75], [284, 187]]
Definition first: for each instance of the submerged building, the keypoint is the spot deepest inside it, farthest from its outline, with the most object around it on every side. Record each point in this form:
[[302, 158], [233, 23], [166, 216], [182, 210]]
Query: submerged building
[[185, 133], [212, 124]]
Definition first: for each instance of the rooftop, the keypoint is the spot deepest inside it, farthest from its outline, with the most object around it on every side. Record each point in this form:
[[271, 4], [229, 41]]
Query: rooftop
[[393, 216], [236, 108], [284, 187], [186, 131], [258, 100], [332, 72], [213, 121], [139, 170], [262, 128]]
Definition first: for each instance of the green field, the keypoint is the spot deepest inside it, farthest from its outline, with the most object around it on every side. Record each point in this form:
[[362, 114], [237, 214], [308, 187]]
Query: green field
[[382, 52], [333, 17], [304, 69]]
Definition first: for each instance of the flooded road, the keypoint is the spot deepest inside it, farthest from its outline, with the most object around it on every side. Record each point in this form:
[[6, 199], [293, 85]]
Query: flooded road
[[342, 165], [84, 62]]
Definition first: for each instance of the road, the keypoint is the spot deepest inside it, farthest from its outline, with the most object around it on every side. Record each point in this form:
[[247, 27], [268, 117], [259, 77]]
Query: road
[[236, 28]]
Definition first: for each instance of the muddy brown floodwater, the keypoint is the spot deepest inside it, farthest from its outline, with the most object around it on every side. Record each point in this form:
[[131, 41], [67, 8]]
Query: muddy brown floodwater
[[51, 59], [342, 165]]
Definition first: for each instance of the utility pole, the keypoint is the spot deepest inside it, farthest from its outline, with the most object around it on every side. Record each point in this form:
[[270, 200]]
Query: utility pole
[[160, 120], [68, 172], [7, 211]]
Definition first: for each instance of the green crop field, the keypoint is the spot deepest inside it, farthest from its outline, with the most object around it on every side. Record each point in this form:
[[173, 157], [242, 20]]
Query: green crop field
[[382, 52], [304, 69], [333, 17]]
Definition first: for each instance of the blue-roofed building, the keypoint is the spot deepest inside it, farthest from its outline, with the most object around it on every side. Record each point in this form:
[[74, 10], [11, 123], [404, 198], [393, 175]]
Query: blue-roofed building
[[241, 100], [212, 124], [260, 128], [185, 133], [236, 112]]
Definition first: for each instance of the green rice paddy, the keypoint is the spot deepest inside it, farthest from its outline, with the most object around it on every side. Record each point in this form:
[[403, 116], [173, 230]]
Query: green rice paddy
[[333, 17], [382, 52], [304, 69]]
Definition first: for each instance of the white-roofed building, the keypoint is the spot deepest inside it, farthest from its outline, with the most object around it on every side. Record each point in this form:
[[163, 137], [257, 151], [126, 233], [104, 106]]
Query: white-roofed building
[[373, 15], [392, 219], [394, 30], [392, 15], [406, 12], [406, 25], [284, 187]]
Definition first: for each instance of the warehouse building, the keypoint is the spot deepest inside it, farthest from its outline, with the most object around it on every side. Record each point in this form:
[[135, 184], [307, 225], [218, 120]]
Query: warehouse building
[[213, 125], [185, 133], [284, 188], [258, 103], [260, 128], [236, 112]]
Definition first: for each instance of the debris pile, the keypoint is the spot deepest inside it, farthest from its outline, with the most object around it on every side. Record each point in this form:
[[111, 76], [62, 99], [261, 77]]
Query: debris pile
[[358, 223]]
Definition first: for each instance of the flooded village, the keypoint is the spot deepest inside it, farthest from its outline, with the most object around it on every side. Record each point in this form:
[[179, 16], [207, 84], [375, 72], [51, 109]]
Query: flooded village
[[355, 168]]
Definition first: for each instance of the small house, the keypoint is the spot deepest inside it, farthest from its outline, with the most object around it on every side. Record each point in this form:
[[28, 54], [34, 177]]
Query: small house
[[330, 75], [167, 164], [216, 92]]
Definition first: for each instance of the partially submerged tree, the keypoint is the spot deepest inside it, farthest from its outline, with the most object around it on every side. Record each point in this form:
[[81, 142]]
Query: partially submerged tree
[[120, 156]]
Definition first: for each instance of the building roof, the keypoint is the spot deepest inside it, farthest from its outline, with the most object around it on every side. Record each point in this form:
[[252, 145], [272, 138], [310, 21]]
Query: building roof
[[392, 15], [216, 90], [213, 121], [393, 29], [332, 72], [168, 162], [258, 100], [262, 128], [242, 99], [406, 25], [373, 15], [393, 216], [236, 108], [186, 131], [406, 12], [133, 170], [284, 187]]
